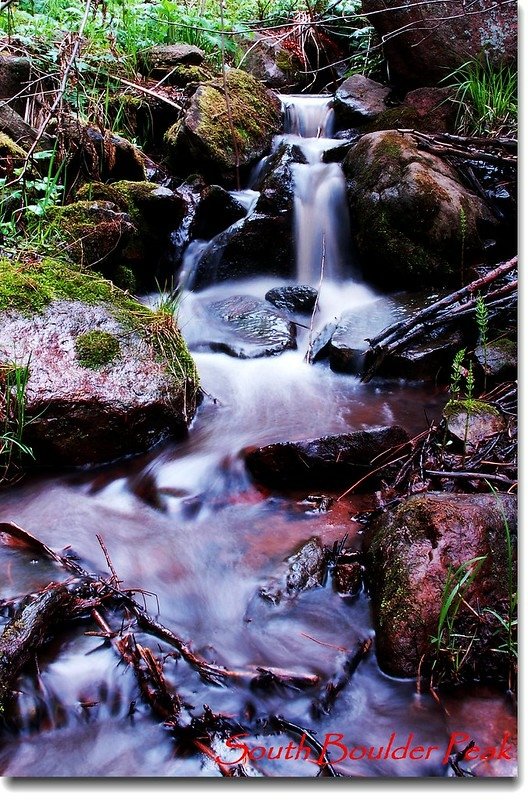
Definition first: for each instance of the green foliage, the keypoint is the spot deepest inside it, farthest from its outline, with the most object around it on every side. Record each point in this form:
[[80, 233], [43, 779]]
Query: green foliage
[[13, 419], [453, 647], [457, 373], [96, 349], [486, 95]]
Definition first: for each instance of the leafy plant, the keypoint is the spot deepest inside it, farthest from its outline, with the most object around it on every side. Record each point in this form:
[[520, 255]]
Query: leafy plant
[[452, 647], [482, 316], [486, 95], [13, 419]]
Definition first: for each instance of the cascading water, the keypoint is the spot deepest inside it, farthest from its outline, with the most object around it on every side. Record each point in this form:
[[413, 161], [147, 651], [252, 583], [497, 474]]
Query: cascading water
[[187, 526], [322, 228]]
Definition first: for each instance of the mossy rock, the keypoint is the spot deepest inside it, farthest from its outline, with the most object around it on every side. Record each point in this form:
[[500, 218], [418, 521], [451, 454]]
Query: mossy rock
[[414, 222], [410, 552], [108, 377], [154, 212], [473, 421], [214, 136], [94, 233]]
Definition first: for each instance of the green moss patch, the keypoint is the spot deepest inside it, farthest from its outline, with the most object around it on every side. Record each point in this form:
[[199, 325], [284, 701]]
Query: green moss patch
[[96, 349]]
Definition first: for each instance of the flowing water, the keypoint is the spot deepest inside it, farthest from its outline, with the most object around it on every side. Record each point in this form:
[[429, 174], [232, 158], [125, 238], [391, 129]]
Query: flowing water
[[186, 525]]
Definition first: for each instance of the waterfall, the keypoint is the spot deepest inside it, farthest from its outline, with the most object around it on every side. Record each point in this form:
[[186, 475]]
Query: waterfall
[[321, 211]]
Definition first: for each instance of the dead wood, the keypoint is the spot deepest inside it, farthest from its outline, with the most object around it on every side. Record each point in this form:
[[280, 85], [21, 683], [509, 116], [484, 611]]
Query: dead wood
[[325, 703]]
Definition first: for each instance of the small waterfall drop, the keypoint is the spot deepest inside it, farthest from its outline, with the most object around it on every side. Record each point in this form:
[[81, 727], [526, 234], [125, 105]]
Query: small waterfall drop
[[322, 226]]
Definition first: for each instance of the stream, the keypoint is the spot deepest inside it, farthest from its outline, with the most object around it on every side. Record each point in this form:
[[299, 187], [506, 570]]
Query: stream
[[186, 525]]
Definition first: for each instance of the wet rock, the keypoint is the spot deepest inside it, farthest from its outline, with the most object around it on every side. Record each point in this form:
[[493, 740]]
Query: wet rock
[[263, 242], [272, 64], [428, 109], [216, 211], [305, 569], [410, 552], [321, 343], [348, 343], [498, 360], [104, 380], [433, 39], [160, 60], [95, 233], [411, 213], [246, 327], [334, 155], [293, 298], [330, 460], [429, 359], [347, 577], [472, 422], [358, 100], [204, 139]]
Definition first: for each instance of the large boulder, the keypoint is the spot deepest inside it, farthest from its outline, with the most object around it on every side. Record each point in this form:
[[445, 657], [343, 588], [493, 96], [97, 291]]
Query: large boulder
[[217, 136], [424, 42], [413, 549], [415, 224], [330, 460], [106, 377]]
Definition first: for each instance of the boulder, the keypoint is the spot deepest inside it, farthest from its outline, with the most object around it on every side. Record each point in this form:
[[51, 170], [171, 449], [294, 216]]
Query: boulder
[[348, 344], [331, 460], [411, 550], [245, 327], [415, 223], [293, 298], [262, 242], [424, 42], [428, 109], [160, 61], [359, 100], [94, 233], [273, 64], [107, 378], [15, 73], [217, 140]]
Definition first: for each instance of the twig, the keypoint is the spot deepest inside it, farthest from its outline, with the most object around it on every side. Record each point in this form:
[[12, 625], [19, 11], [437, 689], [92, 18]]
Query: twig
[[146, 91], [325, 703]]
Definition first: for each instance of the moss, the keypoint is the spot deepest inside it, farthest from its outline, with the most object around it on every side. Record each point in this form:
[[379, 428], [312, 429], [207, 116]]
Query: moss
[[9, 148], [96, 349], [184, 74], [124, 277], [471, 407]]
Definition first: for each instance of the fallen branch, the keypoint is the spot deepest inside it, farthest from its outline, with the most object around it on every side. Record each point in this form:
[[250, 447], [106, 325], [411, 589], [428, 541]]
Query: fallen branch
[[325, 703]]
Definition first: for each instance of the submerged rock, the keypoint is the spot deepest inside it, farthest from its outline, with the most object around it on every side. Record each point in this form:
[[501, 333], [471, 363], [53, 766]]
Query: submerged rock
[[107, 378], [329, 460], [413, 218], [305, 569], [359, 100], [206, 140], [246, 327], [293, 298], [411, 551]]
